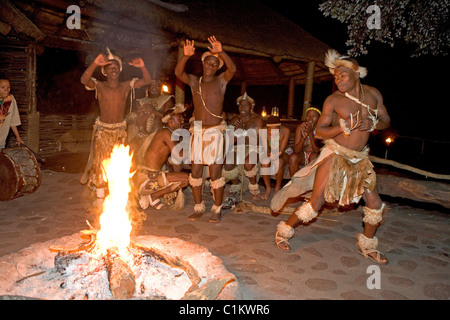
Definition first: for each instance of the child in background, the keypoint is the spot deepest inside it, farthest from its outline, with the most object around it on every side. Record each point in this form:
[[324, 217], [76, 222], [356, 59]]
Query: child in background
[[9, 113]]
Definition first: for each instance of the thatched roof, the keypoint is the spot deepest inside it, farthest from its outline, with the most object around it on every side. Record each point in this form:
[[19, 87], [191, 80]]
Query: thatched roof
[[267, 48]]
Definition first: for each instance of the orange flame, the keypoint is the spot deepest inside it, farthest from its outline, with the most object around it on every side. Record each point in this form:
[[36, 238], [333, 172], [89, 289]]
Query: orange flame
[[115, 226]]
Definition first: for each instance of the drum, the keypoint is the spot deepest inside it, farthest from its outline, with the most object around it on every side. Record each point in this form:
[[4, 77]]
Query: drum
[[19, 173]]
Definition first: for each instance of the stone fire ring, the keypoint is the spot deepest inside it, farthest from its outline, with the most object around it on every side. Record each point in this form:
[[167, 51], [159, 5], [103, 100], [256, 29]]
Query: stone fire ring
[[37, 258]]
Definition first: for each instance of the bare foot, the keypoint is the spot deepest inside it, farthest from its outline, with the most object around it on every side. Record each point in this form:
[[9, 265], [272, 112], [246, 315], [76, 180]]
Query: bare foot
[[378, 257], [266, 194]]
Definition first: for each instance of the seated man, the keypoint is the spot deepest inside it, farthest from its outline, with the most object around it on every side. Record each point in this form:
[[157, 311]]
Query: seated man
[[158, 188], [306, 147], [245, 120], [275, 149], [147, 119]]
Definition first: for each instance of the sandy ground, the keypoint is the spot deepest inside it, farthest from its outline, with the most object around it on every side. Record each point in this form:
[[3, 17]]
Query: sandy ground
[[324, 262]]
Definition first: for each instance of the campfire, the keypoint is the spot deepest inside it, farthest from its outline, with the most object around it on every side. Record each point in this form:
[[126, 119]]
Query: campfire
[[110, 265]]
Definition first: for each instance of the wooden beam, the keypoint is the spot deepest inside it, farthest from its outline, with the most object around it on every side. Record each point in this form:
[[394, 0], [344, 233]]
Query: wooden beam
[[14, 17], [308, 88], [32, 135], [179, 85], [290, 109]]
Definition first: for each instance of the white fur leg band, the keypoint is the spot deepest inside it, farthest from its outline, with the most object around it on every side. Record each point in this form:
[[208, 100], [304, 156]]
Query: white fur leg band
[[195, 182], [306, 213], [254, 188], [217, 184], [216, 209], [284, 231], [199, 207], [373, 216], [366, 245], [252, 173]]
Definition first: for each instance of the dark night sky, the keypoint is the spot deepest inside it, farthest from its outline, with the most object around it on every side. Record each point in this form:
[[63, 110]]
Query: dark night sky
[[414, 89]]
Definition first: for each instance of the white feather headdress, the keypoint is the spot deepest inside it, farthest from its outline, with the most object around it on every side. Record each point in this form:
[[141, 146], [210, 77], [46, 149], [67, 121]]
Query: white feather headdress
[[112, 57], [246, 97], [178, 108], [333, 60]]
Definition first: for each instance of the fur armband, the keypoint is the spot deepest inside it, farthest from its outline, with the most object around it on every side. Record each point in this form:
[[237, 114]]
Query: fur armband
[[373, 216], [195, 182], [306, 213]]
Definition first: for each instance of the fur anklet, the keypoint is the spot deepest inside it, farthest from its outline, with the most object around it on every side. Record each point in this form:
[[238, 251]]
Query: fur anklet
[[305, 213], [253, 188], [284, 231], [366, 245], [373, 216], [200, 207]]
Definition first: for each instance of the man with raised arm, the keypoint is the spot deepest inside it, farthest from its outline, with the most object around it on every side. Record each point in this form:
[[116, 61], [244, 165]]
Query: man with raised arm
[[207, 131], [110, 126]]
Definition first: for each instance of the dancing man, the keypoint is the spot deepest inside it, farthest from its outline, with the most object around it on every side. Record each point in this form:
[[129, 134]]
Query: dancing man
[[110, 127], [207, 132], [342, 172]]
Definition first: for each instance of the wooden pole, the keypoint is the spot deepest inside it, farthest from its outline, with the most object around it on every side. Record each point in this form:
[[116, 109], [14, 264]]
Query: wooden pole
[[290, 109], [32, 134], [308, 88], [180, 95]]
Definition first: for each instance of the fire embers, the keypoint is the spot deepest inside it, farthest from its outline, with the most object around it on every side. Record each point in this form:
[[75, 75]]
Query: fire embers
[[83, 275]]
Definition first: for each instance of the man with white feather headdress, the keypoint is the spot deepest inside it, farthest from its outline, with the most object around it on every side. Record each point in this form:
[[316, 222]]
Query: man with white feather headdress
[[342, 172]]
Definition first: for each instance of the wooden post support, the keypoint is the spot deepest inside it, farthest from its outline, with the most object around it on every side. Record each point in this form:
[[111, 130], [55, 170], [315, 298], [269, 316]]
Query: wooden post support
[[308, 88], [290, 109], [32, 134], [179, 85]]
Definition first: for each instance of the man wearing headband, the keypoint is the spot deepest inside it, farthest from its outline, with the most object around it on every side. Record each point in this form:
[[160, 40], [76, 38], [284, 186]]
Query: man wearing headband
[[147, 119], [306, 147], [244, 128], [276, 150], [342, 173], [207, 132], [157, 188], [110, 125]]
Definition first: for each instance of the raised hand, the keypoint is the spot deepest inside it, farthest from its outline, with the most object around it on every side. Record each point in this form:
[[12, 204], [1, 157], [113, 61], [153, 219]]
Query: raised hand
[[189, 48], [216, 45], [137, 62], [102, 60]]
